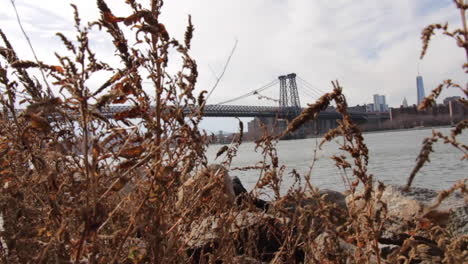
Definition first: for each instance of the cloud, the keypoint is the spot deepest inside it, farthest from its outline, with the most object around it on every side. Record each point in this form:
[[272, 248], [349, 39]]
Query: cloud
[[370, 46]]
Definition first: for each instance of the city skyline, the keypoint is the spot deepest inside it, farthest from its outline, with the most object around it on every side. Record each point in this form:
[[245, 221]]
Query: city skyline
[[274, 38]]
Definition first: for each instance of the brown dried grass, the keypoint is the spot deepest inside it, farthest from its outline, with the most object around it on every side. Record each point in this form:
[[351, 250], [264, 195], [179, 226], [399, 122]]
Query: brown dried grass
[[80, 186]]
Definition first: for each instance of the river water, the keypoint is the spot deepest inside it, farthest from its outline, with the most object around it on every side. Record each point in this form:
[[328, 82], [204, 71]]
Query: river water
[[392, 157]]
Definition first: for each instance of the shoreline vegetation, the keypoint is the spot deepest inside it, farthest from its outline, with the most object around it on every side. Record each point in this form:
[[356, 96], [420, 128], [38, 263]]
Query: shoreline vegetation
[[142, 190]]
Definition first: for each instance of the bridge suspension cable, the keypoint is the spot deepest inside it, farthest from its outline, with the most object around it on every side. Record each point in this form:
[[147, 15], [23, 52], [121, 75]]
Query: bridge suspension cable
[[17, 93], [311, 88], [309, 94], [266, 86], [307, 90]]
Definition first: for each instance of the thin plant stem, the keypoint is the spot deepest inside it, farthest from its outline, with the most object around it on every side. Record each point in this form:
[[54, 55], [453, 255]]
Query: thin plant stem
[[32, 49]]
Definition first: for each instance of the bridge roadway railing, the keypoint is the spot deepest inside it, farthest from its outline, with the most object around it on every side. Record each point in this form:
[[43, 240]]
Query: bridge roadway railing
[[246, 111], [274, 111]]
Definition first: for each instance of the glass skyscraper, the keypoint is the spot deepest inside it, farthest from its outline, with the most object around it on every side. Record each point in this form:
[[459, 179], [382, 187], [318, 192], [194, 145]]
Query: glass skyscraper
[[420, 89], [379, 103]]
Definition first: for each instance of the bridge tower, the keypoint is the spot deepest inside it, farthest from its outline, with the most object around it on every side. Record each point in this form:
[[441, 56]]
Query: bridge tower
[[289, 97]]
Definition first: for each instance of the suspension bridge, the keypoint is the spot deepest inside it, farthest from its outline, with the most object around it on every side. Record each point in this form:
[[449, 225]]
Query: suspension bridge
[[274, 110], [287, 106], [268, 106]]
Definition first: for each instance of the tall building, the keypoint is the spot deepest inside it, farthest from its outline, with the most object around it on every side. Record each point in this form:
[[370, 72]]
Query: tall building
[[405, 103], [420, 89], [379, 103]]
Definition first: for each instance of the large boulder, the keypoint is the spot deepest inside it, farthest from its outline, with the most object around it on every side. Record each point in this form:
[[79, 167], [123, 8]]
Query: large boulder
[[334, 197], [252, 235], [293, 204], [246, 260], [206, 185], [458, 220], [239, 189], [405, 206], [342, 251], [242, 196], [414, 202], [416, 251]]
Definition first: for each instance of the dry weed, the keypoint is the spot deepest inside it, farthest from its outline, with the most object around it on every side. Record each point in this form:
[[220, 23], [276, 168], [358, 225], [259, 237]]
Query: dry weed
[[81, 184]]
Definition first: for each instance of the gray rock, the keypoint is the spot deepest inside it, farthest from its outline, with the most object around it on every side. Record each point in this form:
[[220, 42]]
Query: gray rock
[[242, 195], [212, 176], [343, 251], [309, 202], [335, 197], [400, 204], [458, 220], [246, 260], [238, 187], [421, 252], [406, 206], [240, 228]]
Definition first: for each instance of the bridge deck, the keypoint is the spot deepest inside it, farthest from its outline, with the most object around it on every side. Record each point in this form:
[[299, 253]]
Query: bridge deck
[[255, 111], [251, 111]]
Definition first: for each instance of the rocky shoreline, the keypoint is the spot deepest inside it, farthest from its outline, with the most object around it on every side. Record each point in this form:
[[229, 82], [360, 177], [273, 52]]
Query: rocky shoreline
[[265, 221]]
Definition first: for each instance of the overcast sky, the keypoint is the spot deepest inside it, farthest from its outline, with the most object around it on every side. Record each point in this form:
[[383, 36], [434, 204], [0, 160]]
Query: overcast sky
[[370, 46]]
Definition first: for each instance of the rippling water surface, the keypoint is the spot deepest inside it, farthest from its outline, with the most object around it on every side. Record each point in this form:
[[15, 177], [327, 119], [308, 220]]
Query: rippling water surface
[[392, 157]]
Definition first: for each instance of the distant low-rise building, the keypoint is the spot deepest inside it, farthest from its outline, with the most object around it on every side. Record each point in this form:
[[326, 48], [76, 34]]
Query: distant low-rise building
[[257, 126], [447, 100], [358, 109]]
